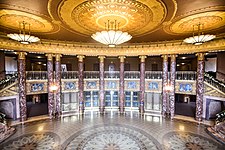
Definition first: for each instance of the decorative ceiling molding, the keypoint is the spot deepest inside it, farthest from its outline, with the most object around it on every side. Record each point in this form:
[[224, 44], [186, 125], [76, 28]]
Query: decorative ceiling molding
[[93, 50]]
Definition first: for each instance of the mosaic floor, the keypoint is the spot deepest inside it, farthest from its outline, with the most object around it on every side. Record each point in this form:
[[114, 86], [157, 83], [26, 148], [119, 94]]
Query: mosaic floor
[[111, 132]]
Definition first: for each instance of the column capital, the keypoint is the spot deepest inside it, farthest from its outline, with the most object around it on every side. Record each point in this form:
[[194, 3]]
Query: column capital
[[80, 58], [101, 58], [165, 57], [200, 56], [58, 57], [173, 57], [49, 56], [21, 55], [122, 58], [142, 57]]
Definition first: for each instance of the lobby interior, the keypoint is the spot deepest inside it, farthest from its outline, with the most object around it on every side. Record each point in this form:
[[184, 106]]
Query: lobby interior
[[67, 90]]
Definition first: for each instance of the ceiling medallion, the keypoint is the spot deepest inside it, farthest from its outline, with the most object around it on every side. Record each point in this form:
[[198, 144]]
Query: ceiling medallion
[[136, 17], [24, 36], [40, 24], [200, 38], [112, 36], [212, 20]]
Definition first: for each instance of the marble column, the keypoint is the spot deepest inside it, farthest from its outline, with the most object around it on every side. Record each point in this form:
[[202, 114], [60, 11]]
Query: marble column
[[164, 84], [121, 88], [50, 75], [101, 84], [142, 84], [22, 85], [172, 84], [200, 87], [81, 83], [58, 84]]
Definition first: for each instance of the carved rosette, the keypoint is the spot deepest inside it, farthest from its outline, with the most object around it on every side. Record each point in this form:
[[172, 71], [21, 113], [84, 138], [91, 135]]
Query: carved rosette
[[101, 84], [50, 82], [81, 83], [200, 87], [121, 106], [164, 82], [142, 84], [172, 83], [58, 84], [22, 85]]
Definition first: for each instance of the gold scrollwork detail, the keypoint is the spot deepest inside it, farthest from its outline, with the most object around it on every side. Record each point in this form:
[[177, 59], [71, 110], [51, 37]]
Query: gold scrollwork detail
[[21, 55], [201, 56], [122, 59], [80, 58], [142, 58], [101, 58]]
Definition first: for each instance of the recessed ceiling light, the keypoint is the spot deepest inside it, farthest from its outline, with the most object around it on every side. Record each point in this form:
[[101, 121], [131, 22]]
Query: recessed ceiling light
[[183, 57], [182, 63]]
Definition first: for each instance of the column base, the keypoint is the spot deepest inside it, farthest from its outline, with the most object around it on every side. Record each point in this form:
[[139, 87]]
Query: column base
[[121, 110], [23, 119], [101, 110], [199, 119]]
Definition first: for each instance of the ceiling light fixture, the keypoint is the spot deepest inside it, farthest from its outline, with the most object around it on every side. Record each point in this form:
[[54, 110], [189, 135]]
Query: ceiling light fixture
[[22, 37], [111, 36], [200, 38]]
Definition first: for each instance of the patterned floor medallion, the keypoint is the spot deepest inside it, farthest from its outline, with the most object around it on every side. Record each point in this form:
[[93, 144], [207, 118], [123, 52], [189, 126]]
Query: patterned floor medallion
[[112, 137], [44, 141], [188, 141]]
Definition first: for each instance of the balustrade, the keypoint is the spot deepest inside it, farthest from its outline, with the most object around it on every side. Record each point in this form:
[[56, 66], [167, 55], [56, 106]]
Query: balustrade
[[69, 75], [91, 74], [186, 75], [36, 75], [112, 74], [153, 74], [132, 74], [214, 82]]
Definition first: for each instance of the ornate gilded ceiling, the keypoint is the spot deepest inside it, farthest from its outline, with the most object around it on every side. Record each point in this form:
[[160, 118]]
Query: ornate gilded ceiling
[[136, 17], [145, 20], [11, 18]]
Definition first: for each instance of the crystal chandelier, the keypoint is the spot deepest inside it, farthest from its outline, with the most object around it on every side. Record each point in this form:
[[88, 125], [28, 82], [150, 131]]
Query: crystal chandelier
[[200, 38], [112, 36], [22, 37]]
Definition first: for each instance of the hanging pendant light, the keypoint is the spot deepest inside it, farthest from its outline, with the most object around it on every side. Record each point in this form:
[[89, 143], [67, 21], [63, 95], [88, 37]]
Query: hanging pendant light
[[112, 36], [23, 37], [200, 38]]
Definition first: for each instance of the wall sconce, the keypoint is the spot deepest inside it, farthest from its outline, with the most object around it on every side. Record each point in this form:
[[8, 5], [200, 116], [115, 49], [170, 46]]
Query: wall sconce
[[168, 87], [53, 87]]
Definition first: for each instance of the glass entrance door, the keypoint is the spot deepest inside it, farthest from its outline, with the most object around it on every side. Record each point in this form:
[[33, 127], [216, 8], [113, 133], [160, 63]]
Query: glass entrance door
[[111, 99], [91, 100], [153, 101], [131, 100]]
